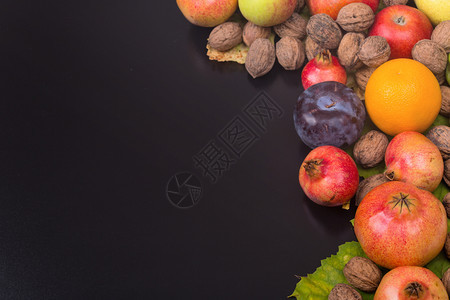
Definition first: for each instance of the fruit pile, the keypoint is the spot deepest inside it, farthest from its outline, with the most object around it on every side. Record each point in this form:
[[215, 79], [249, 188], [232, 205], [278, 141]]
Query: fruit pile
[[375, 105]]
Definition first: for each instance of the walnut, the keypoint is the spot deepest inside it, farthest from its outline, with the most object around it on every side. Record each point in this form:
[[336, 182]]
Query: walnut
[[440, 136], [323, 30], [363, 274], [441, 35], [447, 246], [225, 36], [440, 77], [312, 49], [369, 150], [446, 280], [394, 2], [260, 58], [374, 51], [431, 55], [295, 26], [447, 172], [344, 291], [367, 185], [445, 107], [348, 50], [300, 6], [290, 53], [252, 32], [355, 17], [362, 76], [446, 203]]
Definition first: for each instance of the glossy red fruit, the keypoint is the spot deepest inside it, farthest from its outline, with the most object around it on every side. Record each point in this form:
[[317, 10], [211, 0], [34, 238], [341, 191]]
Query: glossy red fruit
[[329, 176], [323, 67]]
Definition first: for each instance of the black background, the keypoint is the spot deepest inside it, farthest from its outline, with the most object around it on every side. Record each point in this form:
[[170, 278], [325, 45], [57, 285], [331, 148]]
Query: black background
[[102, 102]]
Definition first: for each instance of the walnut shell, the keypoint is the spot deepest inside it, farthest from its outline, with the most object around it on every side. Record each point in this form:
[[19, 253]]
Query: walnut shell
[[225, 36], [355, 17], [445, 106], [348, 50], [324, 31], [260, 58], [446, 280], [290, 53], [394, 2], [441, 35], [295, 26], [363, 274], [447, 172], [252, 32], [446, 203], [362, 76], [344, 291], [447, 246], [440, 136], [311, 48], [300, 6], [369, 150], [374, 51], [367, 185], [440, 77], [431, 55]]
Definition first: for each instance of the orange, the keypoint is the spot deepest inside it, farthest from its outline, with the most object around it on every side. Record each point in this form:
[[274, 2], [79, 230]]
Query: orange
[[402, 95]]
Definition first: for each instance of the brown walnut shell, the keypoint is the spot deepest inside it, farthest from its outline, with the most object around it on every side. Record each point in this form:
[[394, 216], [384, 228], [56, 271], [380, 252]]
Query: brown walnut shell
[[348, 49], [300, 6], [374, 51], [440, 136], [447, 246], [252, 32], [440, 77], [363, 274], [446, 203], [362, 76], [369, 150], [344, 291], [311, 48], [323, 30], [441, 35], [290, 53], [367, 185], [260, 58], [394, 2], [431, 55], [225, 36], [295, 26], [445, 106], [446, 280], [447, 172], [355, 17]]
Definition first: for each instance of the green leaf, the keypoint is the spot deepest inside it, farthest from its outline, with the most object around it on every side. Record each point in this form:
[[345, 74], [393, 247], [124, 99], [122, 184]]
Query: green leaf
[[318, 285], [441, 191], [439, 265]]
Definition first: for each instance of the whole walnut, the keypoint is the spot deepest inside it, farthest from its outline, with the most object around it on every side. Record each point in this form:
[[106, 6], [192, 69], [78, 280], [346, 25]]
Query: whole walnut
[[290, 53], [225, 36], [355, 17], [394, 2], [446, 280], [300, 6], [295, 26], [348, 49], [363, 274], [440, 77], [367, 185], [369, 150], [252, 32], [440, 136], [431, 55], [323, 30], [441, 35], [446, 203], [445, 106], [362, 76], [311, 48], [260, 58], [374, 51], [343, 291], [447, 246], [447, 172]]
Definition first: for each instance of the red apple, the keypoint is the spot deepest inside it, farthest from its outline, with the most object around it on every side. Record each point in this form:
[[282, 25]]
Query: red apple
[[207, 13], [410, 282], [329, 176], [402, 26], [332, 7], [398, 224]]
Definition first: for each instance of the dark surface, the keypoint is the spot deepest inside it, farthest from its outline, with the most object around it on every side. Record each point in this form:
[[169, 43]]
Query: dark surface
[[102, 102]]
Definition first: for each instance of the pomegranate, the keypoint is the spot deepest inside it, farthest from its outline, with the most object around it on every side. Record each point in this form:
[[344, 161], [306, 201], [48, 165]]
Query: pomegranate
[[398, 224], [329, 176], [412, 157], [323, 67], [410, 282]]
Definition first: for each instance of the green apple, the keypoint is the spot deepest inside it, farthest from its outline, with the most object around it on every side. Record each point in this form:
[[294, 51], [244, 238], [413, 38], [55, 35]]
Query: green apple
[[267, 12], [436, 10]]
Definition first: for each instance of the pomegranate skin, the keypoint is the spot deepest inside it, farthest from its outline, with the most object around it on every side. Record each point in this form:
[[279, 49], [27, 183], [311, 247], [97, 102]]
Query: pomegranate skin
[[329, 176], [323, 67]]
